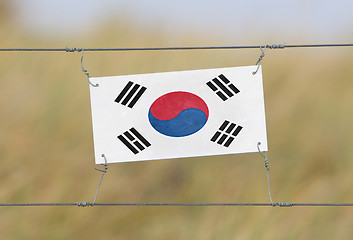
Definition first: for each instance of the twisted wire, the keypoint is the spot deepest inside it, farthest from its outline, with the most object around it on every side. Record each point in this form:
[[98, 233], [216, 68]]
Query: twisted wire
[[103, 172], [88, 204], [82, 67], [263, 154], [271, 46]]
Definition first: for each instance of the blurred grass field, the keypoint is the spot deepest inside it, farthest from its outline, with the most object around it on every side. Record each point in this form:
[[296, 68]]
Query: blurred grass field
[[46, 145]]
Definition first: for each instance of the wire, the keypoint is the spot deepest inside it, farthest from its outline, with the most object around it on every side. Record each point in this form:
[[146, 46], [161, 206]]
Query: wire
[[273, 46], [36, 204], [86, 204], [104, 171]]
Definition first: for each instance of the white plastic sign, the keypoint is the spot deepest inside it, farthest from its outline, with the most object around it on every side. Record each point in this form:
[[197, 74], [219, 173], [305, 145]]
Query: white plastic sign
[[178, 114]]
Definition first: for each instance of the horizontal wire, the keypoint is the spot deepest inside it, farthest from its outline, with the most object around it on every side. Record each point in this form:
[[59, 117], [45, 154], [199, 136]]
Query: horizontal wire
[[85, 204], [273, 46], [35, 204]]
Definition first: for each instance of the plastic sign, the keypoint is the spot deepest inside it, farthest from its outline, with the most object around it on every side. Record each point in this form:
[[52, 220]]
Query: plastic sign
[[178, 114]]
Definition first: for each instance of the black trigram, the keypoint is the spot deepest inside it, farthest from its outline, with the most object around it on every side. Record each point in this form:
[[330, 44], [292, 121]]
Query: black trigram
[[224, 88], [134, 140], [229, 130], [130, 93]]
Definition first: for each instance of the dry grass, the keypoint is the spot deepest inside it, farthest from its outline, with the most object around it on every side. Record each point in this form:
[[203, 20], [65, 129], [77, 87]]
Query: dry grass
[[47, 149]]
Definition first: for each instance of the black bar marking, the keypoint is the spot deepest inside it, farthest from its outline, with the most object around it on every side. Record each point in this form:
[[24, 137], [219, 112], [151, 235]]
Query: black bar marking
[[229, 93], [137, 97], [131, 93], [234, 88], [139, 136], [137, 144], [213, 87], [237, 130], [123, 92], [230, 128], [129, 136], [224, 79], [224, 125], [229, 141], [215, 136], [221, 95], [121, 138], [221, 140]]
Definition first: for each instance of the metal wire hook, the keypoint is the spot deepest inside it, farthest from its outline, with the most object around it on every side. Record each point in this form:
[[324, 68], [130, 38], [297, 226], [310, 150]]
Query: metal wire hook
[[260, 58], [263, 154], [85, 71], [103, 172], [105, 164]]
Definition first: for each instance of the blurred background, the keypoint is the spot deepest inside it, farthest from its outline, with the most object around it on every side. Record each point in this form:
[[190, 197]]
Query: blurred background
[[46, 143]]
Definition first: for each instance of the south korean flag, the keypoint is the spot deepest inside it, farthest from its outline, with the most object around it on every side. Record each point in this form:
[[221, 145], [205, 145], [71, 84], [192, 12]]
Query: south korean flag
[[178, 114]]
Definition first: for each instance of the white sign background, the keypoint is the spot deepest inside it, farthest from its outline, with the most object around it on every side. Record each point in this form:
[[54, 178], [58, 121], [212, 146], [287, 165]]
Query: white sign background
[[111, 119]]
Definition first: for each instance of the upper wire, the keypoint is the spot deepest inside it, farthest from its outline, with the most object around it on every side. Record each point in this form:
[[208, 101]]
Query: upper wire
[[272, 46]]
